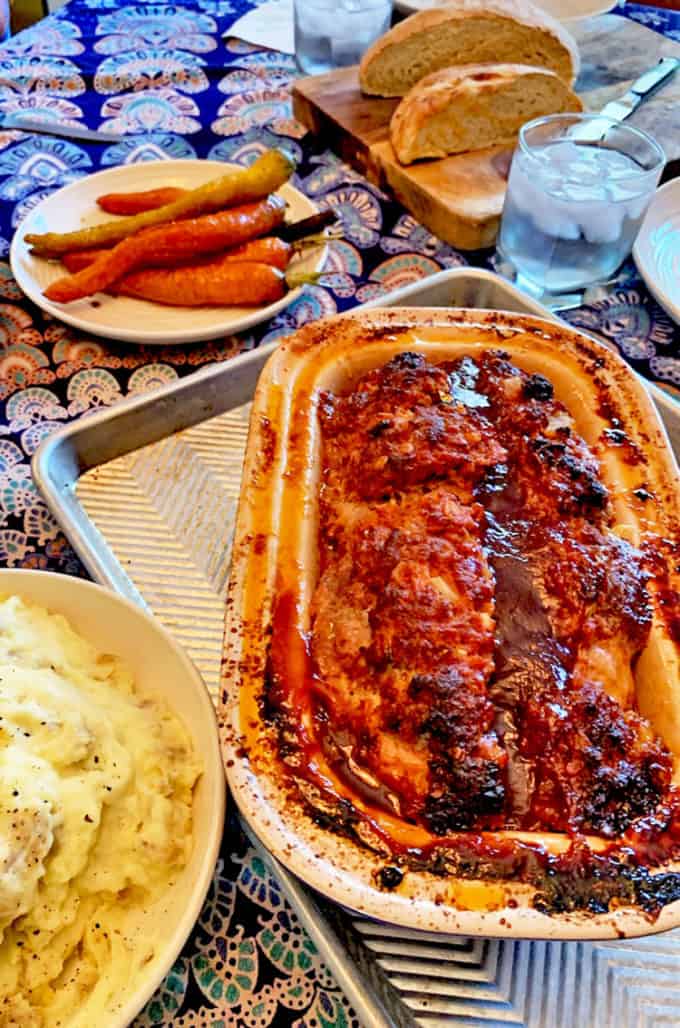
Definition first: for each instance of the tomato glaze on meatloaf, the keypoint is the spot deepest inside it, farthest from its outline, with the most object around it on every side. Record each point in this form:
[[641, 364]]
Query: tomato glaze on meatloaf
[[476, 622]]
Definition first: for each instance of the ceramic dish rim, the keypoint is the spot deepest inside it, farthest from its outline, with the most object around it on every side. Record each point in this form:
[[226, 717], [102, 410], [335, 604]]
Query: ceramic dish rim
[[646, 266], [310, 854], [209, 842]]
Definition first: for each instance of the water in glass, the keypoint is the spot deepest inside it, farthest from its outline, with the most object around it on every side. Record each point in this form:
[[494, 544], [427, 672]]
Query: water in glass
[[572, 211], [335, 33]]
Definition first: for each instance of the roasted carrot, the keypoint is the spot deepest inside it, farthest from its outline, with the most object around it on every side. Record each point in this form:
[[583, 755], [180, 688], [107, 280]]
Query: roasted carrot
[[302, 233], [220, 282], [269, 250], [137, 203], [80, 259], [151, 199], [238, 186], [194, 237]]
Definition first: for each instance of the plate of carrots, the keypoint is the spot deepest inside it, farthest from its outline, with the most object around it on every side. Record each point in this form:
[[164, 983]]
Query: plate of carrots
[[169, 252]]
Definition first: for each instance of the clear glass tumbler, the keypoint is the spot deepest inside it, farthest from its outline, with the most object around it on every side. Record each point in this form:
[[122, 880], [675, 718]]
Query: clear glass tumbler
[[335, 33], [578, 190]]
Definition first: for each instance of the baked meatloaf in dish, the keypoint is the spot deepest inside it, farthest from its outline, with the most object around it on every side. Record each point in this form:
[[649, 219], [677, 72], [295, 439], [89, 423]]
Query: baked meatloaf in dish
[[451, 695]]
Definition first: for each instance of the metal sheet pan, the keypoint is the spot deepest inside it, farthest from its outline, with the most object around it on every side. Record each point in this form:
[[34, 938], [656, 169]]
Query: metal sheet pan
[[146, 492]]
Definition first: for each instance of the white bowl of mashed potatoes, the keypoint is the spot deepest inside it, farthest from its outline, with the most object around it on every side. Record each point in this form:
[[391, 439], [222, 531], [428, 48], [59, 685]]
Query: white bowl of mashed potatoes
[[111, 803]]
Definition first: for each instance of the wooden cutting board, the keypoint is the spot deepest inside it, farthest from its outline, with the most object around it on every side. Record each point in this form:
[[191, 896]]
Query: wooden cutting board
[[460, 198]]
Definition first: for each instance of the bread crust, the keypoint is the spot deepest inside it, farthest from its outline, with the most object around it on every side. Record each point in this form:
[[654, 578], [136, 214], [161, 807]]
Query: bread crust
[[433, 94], [520, 11]]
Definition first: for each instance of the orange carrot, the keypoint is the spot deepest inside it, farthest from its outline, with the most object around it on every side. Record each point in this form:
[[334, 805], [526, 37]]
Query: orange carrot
[[220, 282], [301, 234], [269, 250], [136, 203], [180, 239], [79, 259], [237, 186]]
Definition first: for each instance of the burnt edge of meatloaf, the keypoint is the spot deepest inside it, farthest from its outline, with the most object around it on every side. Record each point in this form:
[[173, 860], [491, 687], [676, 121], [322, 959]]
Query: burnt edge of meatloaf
[[577, 881], [585, 883]]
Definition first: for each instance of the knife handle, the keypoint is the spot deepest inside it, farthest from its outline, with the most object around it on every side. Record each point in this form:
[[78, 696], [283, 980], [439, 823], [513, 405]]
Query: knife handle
[[655, 77]]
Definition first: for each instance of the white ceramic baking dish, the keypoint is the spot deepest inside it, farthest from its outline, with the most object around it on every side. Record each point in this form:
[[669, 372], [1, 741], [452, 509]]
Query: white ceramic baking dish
[[275, 551]]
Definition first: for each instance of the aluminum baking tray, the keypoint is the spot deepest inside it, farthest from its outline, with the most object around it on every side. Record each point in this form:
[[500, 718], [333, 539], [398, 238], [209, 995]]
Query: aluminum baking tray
[[146, 492]]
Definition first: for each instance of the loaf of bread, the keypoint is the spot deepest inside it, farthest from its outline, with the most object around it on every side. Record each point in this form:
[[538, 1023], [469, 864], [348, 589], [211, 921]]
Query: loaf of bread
[[466, 32], [474, 106]]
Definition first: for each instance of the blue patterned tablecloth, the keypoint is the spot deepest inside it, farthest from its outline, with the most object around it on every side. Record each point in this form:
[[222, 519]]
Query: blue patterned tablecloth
[[174, 73]]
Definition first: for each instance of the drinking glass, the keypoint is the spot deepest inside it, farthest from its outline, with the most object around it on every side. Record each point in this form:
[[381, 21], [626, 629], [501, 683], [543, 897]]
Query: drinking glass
[[578, 189], [335, 33]]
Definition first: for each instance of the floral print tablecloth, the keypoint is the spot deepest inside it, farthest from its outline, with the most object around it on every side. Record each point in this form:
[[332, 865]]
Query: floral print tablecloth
[[173, 73]]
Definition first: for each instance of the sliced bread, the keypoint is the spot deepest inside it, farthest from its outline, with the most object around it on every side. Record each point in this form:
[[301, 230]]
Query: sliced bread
[[466, 32], [474, 106]]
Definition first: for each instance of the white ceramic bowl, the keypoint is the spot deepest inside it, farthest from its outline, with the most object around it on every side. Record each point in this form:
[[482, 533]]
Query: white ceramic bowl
[[162, 669]]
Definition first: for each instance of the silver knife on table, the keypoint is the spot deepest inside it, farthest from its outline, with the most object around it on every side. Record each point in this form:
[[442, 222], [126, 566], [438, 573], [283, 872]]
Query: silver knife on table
[[642, 89], [24, 123], [618, 110]]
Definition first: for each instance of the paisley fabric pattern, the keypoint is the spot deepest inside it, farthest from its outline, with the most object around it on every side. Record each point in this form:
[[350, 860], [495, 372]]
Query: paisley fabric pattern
[[152, 110], [261, 107], [172, 82], [34, 164], [133, 28], [58, 37], [39, 105], [156, 146], [247, 147], [146, 68], [35, 73]]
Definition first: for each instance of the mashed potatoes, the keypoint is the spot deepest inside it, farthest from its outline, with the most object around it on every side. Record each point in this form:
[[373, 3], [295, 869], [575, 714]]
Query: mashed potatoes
[[95, 820]]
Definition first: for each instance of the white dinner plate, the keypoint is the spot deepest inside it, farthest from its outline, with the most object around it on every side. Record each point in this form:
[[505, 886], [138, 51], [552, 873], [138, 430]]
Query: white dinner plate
[[563, 10], [657, 248], [120, 317]]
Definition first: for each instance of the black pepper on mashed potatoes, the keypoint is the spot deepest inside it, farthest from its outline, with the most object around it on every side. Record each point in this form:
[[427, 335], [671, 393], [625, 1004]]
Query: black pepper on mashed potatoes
[[96, 788]]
